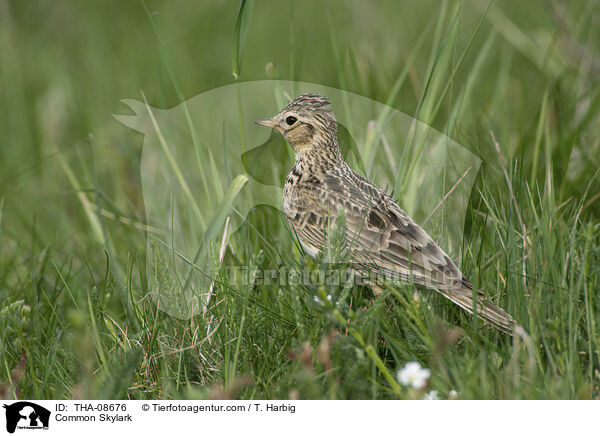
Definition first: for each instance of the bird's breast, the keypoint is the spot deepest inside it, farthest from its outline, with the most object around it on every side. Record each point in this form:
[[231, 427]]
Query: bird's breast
[[291, 197], [299, 195]]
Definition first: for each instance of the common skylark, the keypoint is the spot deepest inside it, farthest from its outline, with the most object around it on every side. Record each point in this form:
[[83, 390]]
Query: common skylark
[[380, 235]]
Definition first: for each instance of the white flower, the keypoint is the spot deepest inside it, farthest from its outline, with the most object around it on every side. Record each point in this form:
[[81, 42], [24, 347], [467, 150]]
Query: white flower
[[452, 395], [413, 375], [431, 395], [319, 299]]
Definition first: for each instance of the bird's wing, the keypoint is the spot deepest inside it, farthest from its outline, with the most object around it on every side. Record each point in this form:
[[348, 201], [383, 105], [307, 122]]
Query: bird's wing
[[383, 239]]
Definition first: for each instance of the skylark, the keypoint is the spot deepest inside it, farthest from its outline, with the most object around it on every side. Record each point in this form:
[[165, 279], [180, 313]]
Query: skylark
[[380, 235]]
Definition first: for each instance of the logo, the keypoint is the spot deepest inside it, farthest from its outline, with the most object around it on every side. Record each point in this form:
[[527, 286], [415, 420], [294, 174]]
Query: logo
[[205, 167], [26, 415]]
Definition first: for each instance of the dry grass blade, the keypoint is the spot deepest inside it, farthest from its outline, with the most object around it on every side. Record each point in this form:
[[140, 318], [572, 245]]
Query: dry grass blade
[[221, 255], [445, 197]]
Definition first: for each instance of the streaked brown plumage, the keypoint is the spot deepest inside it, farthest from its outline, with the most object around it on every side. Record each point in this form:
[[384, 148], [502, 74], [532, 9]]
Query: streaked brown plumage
[[381, 236]]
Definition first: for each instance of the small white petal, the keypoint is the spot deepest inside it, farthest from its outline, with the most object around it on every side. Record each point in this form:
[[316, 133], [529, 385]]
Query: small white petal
[[431, 395], [413, 375], [419, 380]]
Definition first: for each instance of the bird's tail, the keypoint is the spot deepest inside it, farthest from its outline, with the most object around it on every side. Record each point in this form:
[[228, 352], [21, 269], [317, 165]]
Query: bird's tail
[[485, 309]]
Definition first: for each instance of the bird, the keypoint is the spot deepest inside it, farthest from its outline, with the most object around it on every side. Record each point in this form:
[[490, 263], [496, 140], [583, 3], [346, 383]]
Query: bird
[[321, 187]]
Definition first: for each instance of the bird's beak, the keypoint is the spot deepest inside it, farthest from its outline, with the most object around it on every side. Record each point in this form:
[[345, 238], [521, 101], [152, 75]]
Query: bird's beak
[[267, 122]]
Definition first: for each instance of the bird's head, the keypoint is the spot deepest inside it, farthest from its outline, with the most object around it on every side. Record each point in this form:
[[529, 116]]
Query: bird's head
[[305, 121]]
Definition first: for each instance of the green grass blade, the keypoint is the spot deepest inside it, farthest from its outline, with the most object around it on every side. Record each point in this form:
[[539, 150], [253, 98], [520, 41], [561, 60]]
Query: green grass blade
[[242, 23]]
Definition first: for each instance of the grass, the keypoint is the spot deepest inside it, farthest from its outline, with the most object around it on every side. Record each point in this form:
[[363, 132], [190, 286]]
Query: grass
[[514, 82]]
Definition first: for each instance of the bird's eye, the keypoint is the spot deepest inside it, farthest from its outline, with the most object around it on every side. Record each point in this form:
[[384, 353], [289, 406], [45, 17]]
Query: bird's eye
[[290, 120]]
